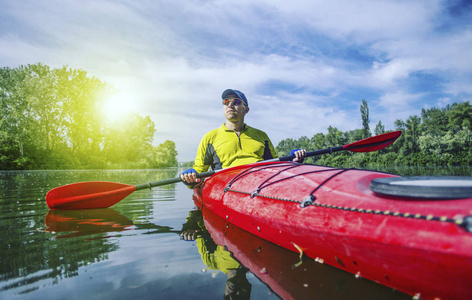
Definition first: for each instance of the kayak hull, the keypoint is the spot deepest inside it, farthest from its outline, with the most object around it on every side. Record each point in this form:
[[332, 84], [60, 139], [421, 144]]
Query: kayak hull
[[417, 246]]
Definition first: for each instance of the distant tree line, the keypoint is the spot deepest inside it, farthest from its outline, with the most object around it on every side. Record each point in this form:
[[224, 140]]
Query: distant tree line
[[51, 119], [440, 136]]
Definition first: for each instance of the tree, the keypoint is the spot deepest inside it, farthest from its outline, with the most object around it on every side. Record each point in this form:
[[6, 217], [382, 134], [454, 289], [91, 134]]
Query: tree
[[365, 119], [335, 137], [434, 120], [285, 146], [459, 116], [441, 136], [412, 133], [355, 135], [318, 141], [11, 120], [128, 142], [51, 119], [165, 155], [379, 128]]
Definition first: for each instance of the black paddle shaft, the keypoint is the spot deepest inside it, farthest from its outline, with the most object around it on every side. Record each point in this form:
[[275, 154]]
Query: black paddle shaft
[[312, 153], [150, 185]]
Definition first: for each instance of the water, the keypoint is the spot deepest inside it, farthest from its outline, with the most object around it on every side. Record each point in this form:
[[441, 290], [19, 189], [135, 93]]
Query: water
[[133, 250]]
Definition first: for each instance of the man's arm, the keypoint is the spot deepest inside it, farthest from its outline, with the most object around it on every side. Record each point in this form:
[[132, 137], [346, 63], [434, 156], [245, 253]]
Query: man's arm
[[189, 177]]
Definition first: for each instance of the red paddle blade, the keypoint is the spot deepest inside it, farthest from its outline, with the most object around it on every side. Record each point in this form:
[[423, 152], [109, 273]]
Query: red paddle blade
[[374, 143], [88, 195]]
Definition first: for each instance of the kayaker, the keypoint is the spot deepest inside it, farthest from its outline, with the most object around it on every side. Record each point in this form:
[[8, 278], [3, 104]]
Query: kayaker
[[234, 143]]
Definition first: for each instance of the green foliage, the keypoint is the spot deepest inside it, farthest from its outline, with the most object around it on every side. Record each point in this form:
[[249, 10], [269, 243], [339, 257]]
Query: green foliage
[[365, 119], [441, 136], [52, 119], [188, 164], [165, 155], [379, 128]]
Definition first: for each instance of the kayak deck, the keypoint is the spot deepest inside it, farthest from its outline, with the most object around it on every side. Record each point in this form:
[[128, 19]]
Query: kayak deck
[[331, 215]]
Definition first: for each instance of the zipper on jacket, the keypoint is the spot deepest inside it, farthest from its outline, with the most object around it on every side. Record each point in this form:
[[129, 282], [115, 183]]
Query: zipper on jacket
[[239, 139]]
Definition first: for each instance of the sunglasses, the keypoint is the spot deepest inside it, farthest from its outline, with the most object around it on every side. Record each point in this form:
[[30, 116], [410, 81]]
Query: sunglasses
[[235, 102]]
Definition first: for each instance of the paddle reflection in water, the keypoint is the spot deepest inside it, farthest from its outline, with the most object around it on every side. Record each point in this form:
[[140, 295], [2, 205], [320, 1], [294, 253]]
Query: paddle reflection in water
[[75, 223], [90, 222]]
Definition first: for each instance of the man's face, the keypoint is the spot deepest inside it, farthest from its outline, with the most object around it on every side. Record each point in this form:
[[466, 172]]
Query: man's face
[[234, 108]]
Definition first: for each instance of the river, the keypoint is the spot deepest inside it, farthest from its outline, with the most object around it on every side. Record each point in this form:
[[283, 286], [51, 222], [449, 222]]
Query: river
[[133, 250]]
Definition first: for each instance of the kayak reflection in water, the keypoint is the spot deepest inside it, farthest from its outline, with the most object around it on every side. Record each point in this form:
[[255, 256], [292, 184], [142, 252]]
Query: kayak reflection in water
[[215, 257]]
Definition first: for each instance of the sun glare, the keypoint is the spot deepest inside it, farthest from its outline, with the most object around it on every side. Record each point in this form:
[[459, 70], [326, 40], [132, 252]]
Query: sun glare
[[117, 106]]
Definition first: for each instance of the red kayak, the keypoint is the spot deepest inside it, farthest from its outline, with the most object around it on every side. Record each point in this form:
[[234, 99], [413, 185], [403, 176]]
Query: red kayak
[[408, 233]]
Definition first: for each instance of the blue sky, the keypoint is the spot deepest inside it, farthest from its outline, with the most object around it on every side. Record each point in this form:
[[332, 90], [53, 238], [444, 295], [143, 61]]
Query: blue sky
[[303, 65]]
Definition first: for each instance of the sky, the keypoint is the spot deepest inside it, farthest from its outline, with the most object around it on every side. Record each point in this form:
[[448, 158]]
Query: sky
[[304, 65]]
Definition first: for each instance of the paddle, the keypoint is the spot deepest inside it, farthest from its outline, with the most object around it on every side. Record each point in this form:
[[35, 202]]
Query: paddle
[[97, 194], [366, 145]]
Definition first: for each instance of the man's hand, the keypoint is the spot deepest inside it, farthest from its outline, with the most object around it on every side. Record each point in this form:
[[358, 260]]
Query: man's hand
[[189, 177], [300, 155]]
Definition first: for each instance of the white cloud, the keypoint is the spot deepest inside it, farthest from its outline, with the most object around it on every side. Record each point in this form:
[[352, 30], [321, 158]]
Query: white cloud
[[362, 20], [302, 64], [394, 106]]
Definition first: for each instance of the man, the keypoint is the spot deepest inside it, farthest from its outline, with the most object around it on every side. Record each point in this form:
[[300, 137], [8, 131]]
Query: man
[[234, 143]]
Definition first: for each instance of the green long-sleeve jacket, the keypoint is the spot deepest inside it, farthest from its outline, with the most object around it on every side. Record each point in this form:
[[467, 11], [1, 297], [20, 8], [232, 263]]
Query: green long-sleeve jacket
[[223, 148]]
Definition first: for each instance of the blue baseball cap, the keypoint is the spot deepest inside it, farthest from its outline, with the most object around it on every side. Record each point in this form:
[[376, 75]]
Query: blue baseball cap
[[231, 92]]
